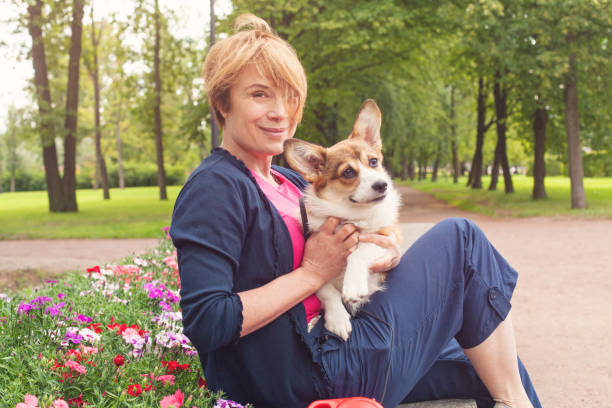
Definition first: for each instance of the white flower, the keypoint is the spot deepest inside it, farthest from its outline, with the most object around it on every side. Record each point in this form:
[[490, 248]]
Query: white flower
[[89, 335], [140, 262]]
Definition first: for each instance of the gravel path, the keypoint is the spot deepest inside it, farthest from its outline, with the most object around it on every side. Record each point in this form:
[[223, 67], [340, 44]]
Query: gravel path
[[562, 307]]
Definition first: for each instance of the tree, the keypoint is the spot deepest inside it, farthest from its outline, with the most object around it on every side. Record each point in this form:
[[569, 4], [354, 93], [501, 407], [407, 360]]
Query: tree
[[72, 105], [43, 95], [159, 146], [11, 144], [453, 127], [93, 67], [500, 93], [475, 176], [572, 125], [61, 191], [539, 163]]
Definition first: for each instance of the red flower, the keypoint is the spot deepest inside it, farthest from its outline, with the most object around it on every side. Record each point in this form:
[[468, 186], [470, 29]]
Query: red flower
[[96, 327], [172, 366], [78, 401], [202, 383], [135, 390], [119, 360], [95, 269]]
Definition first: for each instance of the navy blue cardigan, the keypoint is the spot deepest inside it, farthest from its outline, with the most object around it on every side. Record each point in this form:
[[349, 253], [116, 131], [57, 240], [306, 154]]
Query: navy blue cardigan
[[229, 239]]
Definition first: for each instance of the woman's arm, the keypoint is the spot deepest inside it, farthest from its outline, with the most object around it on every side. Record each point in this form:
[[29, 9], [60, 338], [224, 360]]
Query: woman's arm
[[324, 258]]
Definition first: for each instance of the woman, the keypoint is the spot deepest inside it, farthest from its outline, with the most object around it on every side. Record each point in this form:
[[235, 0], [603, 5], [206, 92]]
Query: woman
[[248, 276]]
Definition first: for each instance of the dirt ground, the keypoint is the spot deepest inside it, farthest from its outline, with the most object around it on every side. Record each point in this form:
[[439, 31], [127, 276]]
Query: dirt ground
[[26, 263], [562, 306]]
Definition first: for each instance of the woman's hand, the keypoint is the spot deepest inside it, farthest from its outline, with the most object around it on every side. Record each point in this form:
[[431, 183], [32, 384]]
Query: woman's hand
[[326, 250], [388, 261]]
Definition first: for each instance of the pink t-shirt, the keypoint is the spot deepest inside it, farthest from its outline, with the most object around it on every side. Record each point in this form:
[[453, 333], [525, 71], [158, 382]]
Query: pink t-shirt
[[286, 200]]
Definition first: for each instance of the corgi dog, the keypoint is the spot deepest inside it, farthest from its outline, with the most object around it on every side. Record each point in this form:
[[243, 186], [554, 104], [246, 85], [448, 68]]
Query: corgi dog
[[348, 181]]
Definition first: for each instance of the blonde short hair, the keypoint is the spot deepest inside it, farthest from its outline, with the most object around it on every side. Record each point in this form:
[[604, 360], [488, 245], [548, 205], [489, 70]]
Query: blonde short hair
[[253, 43]]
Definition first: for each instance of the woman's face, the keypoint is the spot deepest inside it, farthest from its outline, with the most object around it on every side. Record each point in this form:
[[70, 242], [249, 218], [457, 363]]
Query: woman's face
[[257, 122]]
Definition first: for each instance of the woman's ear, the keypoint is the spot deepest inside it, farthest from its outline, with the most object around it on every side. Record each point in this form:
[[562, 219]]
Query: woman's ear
[[221, 112], [305, 158]]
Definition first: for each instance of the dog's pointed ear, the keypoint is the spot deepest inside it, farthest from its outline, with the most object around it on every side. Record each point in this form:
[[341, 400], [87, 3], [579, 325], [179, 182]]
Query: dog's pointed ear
[[305, 158], [367, 124]]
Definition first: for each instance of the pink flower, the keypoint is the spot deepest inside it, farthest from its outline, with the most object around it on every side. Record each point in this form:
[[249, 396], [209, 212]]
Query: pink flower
[[30, 401], [88, 350], [76, 367], [166, 379], [175, 400], [59, 403]]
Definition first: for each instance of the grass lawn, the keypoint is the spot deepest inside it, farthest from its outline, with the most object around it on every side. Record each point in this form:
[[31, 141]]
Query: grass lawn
[[520, 204], [134, 212]]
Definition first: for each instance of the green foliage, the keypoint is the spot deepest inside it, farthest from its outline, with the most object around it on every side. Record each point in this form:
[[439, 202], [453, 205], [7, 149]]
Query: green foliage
[[598, 164], [24, 181], [135, 175], [404, 54]]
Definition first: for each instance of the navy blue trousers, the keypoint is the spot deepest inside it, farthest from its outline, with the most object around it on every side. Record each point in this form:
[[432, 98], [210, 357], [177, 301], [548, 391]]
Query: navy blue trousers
[[451, 289]]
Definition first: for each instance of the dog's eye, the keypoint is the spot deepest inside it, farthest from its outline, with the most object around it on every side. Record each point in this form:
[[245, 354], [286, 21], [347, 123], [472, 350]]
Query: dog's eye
[[373, 162], [349, 173]]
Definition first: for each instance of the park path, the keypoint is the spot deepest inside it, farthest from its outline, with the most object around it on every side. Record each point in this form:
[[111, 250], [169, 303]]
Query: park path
[[562, 306]]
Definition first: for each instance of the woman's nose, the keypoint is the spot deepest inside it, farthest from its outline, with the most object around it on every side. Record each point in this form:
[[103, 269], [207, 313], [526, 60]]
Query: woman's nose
[[278, 109]]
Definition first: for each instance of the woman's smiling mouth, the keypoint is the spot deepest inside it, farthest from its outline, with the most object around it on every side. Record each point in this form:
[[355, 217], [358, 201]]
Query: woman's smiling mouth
[[274, 131]]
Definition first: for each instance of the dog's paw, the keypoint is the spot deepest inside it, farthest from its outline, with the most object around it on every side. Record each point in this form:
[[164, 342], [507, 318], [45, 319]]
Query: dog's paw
[[338, 321], [355, 292]]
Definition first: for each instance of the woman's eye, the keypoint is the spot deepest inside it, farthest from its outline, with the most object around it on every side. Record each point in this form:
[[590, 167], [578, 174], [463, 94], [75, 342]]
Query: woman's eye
[[373, 162], [259, 94], [349, 173]]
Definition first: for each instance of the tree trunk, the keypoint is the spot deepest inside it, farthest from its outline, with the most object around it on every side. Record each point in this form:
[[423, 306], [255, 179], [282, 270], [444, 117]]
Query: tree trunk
[[405, 169], [72, 106], [161, 173], [495, 169], [453, 127], [500, 94], [214, 128], [573, 134], [119, 154], [475, 178], [12, 162], [411, 169], [55, 192], [434, 171], [95, 76], [422, 170], [539, 162]]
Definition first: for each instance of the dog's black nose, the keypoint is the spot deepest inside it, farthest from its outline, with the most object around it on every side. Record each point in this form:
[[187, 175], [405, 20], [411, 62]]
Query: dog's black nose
[[380, 186]]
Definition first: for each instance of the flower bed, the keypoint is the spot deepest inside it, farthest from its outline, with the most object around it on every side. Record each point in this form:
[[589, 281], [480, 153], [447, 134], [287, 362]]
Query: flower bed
[[110, 337]]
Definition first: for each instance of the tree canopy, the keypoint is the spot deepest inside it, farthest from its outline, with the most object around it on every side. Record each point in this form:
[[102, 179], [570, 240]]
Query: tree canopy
[[424, 62]]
